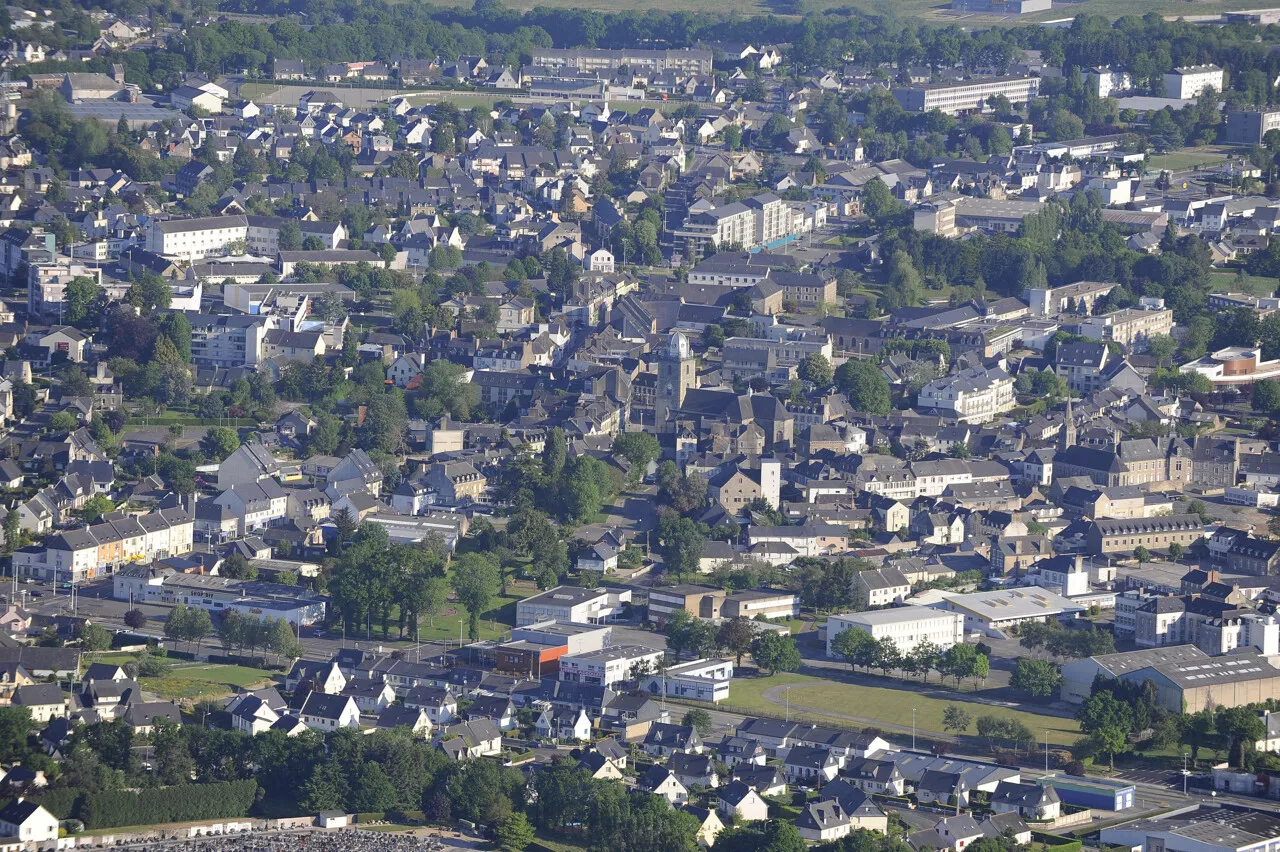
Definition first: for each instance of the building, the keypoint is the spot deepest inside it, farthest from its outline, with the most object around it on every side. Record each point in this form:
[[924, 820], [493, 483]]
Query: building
[[75, 555], [761, 603], [567, 603], [157, 584], [697, 680], [1001, 7], [906, 626], [27, 821], [47, 285], [609, 666], [1186, 679], [1247, 126], [699, 601], [1132, 328], [1106, 79], [677, 374], [973, 395], [1071, 298], [646, 62], [1204, 828], [1096, 793], [882, 586], [1234, 366], [193, 239], [994, 610], [964, 96], [1123, 535], [1190, 81]]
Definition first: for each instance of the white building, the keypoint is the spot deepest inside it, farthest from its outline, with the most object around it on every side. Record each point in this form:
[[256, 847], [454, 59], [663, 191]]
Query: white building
[[1191, 80], [608, 666], [975, 395], [907, 626], [1106, 79], [600, 260], [985, 612], [28, 822], [47, 285], [192, 239], [567, 603], [698, 680]]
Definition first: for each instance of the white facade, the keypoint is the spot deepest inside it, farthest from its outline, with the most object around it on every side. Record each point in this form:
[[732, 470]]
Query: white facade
[[609, 665], [192, 239], [1190, 81], [975, 395], [906, 626]]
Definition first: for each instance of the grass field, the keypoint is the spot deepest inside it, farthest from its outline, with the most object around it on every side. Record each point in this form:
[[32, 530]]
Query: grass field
[[880, 705], [196, 681], [1230, 282], [256, 91], [494, 624], [1210, 155]]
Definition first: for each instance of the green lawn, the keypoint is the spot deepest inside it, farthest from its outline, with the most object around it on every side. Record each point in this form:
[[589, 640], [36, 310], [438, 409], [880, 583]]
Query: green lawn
[[1231, 282], [496, 622], [880, 705], [1184, 160], [197, 681], [254, 91]]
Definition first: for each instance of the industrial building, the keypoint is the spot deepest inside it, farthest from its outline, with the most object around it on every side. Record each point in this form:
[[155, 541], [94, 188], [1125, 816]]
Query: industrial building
[[1187, 680]]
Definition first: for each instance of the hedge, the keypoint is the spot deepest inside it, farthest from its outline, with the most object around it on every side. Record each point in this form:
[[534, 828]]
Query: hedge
[[1057, 841], [61, 802], [183, 803], [371, 816]]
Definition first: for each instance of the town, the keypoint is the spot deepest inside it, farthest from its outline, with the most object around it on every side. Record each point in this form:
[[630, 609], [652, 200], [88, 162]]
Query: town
[[758, 429]]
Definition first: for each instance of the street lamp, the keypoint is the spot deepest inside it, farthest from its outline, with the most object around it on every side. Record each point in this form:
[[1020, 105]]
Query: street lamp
[[913, 729], [787, 691], [1185, 755]]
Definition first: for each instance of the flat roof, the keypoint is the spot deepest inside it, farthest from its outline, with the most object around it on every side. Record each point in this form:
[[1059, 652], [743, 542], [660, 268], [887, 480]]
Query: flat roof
[[1013, 604], [614, 652], [1132, 661], [895, 615]]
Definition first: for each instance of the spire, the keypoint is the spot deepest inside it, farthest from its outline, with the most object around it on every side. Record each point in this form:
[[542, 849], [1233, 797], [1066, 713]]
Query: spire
[[1067, 437]]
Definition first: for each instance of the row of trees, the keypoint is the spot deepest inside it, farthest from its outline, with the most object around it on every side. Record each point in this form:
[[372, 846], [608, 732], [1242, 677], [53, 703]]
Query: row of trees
[[696, 637], [961, 661]]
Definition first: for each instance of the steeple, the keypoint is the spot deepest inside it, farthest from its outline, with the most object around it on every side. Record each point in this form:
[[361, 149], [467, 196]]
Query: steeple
[[1067, 437]]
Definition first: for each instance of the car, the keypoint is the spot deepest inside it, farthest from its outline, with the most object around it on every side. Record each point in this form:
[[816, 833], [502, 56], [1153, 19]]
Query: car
[[37, 594]]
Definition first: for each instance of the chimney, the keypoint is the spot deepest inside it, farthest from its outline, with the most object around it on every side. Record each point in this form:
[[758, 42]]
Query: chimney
[[1213, 576]]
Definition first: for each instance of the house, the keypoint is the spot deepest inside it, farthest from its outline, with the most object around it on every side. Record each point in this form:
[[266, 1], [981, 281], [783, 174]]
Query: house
[[600, 767], [142, 716], [439, 703], [943, 788], [470, 740], [739, 801], [664, 740], [371, 696], [695, 770], [324, 677], [709, 824], [883, 586], [821, 822], [253, 715], [564, 724], [810, 765], [45, 701], [28, 822], [324, 712], [1030, 801], [399, 716], [661, 781]]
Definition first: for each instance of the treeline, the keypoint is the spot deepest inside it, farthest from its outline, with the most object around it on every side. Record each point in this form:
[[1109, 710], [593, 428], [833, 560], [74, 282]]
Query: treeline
[[111, 809]]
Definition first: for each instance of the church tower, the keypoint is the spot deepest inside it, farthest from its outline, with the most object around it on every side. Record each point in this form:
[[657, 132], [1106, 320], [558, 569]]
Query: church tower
[[1067, 437], [677, 372]]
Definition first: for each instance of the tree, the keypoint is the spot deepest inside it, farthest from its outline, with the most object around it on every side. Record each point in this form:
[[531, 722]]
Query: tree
[[816, 368], [1175, 551], [95, 507], [687, 634], [776, 652], [1038, 677], [1141, 554], [475, 581], [1241, 727], [514, 833], [84, 301], [290, 238], [640, 449], [95, 637], [1107, 721], [878, 201], [1266, 397], [135, 619], [956, 719], [856, 646], [237, 567], [963, 661], [699, 720], [864, 384], [681, 542], [219, 442], [736, 636]]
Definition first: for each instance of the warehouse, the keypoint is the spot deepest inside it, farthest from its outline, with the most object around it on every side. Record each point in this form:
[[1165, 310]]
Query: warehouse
[[1186, 679], [1077, 676], [1225, 828], [907, 626]]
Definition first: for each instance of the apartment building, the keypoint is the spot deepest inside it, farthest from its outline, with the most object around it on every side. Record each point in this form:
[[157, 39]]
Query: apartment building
[[1132, 328], [975, 395], [1248, 126], [1124, 535], [699, 601], [76, 555], [47, 285], [906, 627], [193, 239], [965, 96], [1190, 81], [688, 61], [228, 341]]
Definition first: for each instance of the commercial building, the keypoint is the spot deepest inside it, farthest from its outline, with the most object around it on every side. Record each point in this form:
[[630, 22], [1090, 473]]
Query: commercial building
[[566, 603], [966, 95], [1190, 81], [1248, 126], [986, 612], [906, 626], [1096, 793], [1078, 676]]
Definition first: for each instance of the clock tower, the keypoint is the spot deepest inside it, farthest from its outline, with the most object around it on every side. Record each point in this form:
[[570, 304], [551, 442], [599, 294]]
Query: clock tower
[[677, 372]]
